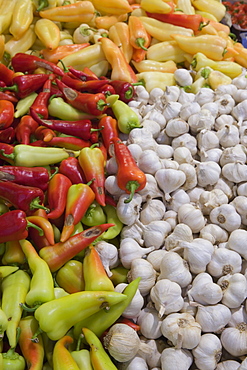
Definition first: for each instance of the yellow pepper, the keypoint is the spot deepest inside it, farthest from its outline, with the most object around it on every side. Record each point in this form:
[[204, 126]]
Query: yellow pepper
[[82, 11], [217, 78], [211, 46], [152, 65], [119, 34], [14, 46], [162, 31], [230, 69], [185, 6], [112, 6], [48, 33], [156, 79], [106, 21], [47, 4], [101, 68], [206, 15], [216, 8], [241, 57], [6, 13], [22, 18], [2, 45], [164, 51], [86, 57], [156, 6]]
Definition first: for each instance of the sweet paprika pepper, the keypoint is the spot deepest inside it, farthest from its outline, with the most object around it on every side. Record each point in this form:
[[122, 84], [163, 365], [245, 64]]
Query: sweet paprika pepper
[[25, 128], [109, 127], [13, 253], [24, 85], [94, 215], [82, 358], [62, 358], [127, 119], [71, 168], [57, 194], [70, 276], [6, 113]]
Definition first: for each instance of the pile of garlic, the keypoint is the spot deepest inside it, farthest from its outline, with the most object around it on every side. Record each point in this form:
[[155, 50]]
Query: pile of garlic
[[185, 233]]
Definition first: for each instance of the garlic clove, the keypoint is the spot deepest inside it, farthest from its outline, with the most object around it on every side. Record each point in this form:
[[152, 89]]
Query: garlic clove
[[208, 352], [176, 358]]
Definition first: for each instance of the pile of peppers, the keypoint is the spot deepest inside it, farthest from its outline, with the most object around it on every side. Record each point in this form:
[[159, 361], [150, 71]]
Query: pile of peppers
[[57, 130]]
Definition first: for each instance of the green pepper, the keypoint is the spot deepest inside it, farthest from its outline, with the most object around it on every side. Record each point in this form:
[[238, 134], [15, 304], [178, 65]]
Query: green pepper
[[60, 109], [99, 358], [59, 292], [82, 358], [23, 105], [94, 215], [14, 291], [102, 320], [3, 324], [127, 119], [119, 275], [62, 358], [7, 270], [70, 276], [58, 316], [41, 286], [111, 216], [11, 359]]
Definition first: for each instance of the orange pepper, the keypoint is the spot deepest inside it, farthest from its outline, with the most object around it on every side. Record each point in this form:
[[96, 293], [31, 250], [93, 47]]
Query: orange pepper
[[106, 21], [120, 35], [61, 51], [139, 38]]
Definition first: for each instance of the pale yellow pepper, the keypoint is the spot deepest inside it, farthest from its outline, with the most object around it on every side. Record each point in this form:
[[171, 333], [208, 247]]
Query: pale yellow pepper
[[101, 68], [216, 8], [2, 45], [148, 65], [185, 6], [156, 79], [162, 31], [241, 57], [156, 6], [164, 51], [81, 11], [217, 78], [6, 13], [51, 4], [27, 40], [119, 34], [112, 6], [108, 21], [206, 15], [22, 18], [48, 33]]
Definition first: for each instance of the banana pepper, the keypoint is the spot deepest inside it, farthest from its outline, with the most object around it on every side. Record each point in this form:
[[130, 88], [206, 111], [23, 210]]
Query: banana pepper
[[24, 43], [112, 6], [22, 18], [166, 51], [119, 34], [241, 57], [154, 66], [81, 11], [48, 33], [156, 79], [70, 277], [156, 6], [214, 7], [6, 14]]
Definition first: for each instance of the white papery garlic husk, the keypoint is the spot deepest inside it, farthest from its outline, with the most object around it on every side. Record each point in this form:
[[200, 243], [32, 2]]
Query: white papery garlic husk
[[233, 154], [204, 95], [166, 296], [228, 136], [207, 139], [225, 103], [149, 162], [203, 120], [226, 89], [189, 109], [238, 242], [194, 195], [242, 189], [149, 322], [213, 318], [152, 210], [178, 198], [176, 127], [234, 339], [135, 150], [190, 173], [154, 358], [143, 269], [155, 232], [185, 140], [189, 307], [211, 199], [185, 97], [234, 289], [123, 342], [169, 164], [235, 172], [175, 268], [128, 213], [210, 155], [204, 291], [214, 233], [108, 254], [134, 232], [136, 304], [112, 187], [182, 330], [155, 258], [208, 173], [223, 262], [169, 180], [228, 365], [176, 358], [239, 111], [130, 249], [183, 155], [143, 138], [164, 151], [171, 110], [243, 365], [208, 352], [212, 107], [151, 189], [191, 216], [180, 233], [226, 217], [222, 120], [240, 203], [137, 363], [152, 126], [171, 218]]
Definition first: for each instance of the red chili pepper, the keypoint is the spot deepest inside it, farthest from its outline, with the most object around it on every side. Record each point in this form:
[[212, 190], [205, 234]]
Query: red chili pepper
[[60, 253], [22, 62], [13, 226], [7, 111], [6, 74], [55, 92], [109, 200], [45, 225], [72, 82], [85, 75], [94, 137], [8, 96], [2, 84], [124, 89], [94, 104], [25, 198], [28, 176], [71, 168], [109, 127], [25, 128], [68, 142], [57, 194], [24, 85], [6, 149], [124, 320], [129, 177], [39, 241], [79, 198], [107, 89], [44, 133], [7, 135], [192, 21], [40, 104]]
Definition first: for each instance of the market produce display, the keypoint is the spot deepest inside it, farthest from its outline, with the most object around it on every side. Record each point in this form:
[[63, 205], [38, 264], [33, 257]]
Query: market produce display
[[123, 197]]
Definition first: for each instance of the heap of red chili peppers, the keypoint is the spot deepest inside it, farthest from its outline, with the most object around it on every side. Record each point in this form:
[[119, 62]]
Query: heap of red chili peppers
[[52, 169]]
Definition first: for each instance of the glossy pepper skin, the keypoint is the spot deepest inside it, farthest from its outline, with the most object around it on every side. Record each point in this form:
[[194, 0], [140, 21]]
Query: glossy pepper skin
[[25, 128], [109, 127], [92, 163], [60, 253], [6, 74], [59, 315], [40, 104], [7, 135], [41, 286], [25, 198], [62, 358], [44, 224], [13, 226], [111, 216], [70, 277], [68, 142], [24, 85], [33, 352], [79, 198], [129, 177], [13, 254], [6, 113], [28, 176], [94, 215], [71, 168], [127, 119], [57, 194]]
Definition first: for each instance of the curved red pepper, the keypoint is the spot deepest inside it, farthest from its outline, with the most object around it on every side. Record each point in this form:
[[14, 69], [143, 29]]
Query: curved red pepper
[[57, 194], [24, 85], [44, 133], [7, 110], [109, 127], [28, 176], [192, 21], [6, 74], [13, 226], [6, 149], [71, 168], [40, 104], [7, 135], [25, 128], [124, 89], [69, 142], [85, 75], [8, 96]]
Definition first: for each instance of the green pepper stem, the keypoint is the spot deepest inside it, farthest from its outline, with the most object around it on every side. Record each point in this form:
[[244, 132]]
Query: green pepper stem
[[10, 88], [42, 4], [35, 204], [30, 224], [35, 338], [203, 24], [140, 41], [29, 309], [64, 66], [129, 93], [131, 186], [101, 104], [54, 173]]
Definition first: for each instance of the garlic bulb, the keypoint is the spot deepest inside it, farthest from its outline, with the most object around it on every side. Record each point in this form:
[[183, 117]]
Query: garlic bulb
[[228, 136], [182, 330], [135, 150], [152, 210], [171, 110], [178, 197], [149, 322], [112, 187], [143, 269], [191, 216], [239, 111], [208, 352], [202, 120], [183, 77], [223, 262], [176, 358], [211, 199], [171, 218], [164, 151], [233, 154], [197, 253], [242, 189], [208, 173], [234, 288], [194, 195], [155, 232], [214, 233], [134, 232], [188, 109], [169, 180], [166, 296], [108, 254], [207, 139], [149, 162], [225, 103], [175, 268], [155, 258], [210, 155], [176, 127], [235, 172], [204, 291], [180, 233], [186, 140], [204, 95], [123, 343], [129, 212], [240, 203], [237, 242], [228, 365], [190, 173], [183, 155], [151, 189], [153, 359], [226, 217], [213, 318], [226, 186], [143, 138], [185, 97], [234, 340], [129, 250], [212, 107], [137, 363], [136, 304], [152, 126], [222, 120]]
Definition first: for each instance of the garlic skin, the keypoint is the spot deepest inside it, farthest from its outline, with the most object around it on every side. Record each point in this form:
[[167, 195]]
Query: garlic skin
[[149, 162], [183, 155], [153, 358], [211, 199], [191, 216], [208, 173], [228, 136], [213, 318], [211, 155], [183, 77], [152, 210], [222, 120], [207, 140], [240, 204], [214, 233], [171, 110], [202, 120], [228, 365], [178, 197], [189, 109], [176, 127], [135, 306], [180, 233], [233, 154], [137, 363], [155, 232], [185, 97], [151, 189], [225, 103], [108, 254], [223, 262], [191, 177], [128, 213], [182, 330], [129, 250], [234, 340], [208, 352], [169, 180], [143, 269], [135, 150], [155, 258], [171, 218], [175, 268], [185, 140], [237, 242], [133, 232], [149, 322], [143, 138], [176, 358], [166, 296], [204, 96], [152, 126], [234, 288], [235, 172], [204, 291], [226, 217]]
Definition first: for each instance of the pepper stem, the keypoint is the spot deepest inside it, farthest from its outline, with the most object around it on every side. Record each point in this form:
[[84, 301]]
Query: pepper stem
[[131, 186], [140, 41], [11, 155], [129, 93], [101, 104], [64, 66], [30, 224], [35, 204], [35, 338], [42, 4], [10, 88]]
